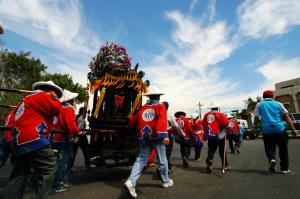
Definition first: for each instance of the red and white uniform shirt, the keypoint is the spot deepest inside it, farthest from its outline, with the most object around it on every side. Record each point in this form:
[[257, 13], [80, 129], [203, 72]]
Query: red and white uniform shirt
[[66, 121], [198, 131], [186, 127], [233, 127], [30, 121], [151, 122], [213, 124]]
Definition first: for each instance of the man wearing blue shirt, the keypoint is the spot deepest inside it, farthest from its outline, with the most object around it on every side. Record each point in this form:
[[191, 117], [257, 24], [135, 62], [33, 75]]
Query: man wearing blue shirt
[[274, 132]]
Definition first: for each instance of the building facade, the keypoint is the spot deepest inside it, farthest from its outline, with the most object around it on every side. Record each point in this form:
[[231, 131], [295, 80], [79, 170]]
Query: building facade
[[288, 93]]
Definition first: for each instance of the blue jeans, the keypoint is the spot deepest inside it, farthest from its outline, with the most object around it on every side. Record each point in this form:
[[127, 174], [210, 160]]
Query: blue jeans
[[61, 164], [141, 162]]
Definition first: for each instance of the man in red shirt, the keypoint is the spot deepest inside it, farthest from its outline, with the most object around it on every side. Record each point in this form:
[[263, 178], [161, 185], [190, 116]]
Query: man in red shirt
[[198, 136], [184, 139], [214, 123], [31, 149], [151, 122], [233, 134], [63, 142]]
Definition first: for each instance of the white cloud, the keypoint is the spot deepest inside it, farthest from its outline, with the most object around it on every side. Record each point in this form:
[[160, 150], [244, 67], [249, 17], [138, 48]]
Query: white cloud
[[187, 70], [192, 6], [262, 18], [57, 25], [279, 69], [53, 23], [212, 9]]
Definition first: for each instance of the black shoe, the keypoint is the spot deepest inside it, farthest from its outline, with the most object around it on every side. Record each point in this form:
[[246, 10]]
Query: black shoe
[[272, 168], [209, 166]]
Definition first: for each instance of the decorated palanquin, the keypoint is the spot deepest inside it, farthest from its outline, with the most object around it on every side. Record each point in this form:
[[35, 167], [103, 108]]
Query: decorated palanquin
[[117, 94]]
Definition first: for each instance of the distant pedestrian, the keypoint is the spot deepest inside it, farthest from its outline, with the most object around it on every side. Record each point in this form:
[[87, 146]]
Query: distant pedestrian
[[241, 133], [272, 114], [184, 139], [233, 134], [80, 142], [173, 129], [214, 124], [151, 122], [198, 136]]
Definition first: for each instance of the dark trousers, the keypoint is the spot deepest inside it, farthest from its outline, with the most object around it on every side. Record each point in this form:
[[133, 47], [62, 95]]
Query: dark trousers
[[233, 141], [213, 145], [42, 162], [169, 149], [281, 140], [197, 151], [185, 150], [82, 143]]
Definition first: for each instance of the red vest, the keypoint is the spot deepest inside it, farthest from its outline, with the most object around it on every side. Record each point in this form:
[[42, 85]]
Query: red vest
[[186, 126], [151, 121], [30, 121], [233, 127], [214, 122], [198, 130], [65, 121]]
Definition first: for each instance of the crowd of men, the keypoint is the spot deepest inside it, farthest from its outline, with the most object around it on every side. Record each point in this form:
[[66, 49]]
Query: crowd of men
[[156, 131], [41, 141], [45, 156]]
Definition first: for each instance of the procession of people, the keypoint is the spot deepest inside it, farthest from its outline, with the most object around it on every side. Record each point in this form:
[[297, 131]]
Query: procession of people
[[45, 158]]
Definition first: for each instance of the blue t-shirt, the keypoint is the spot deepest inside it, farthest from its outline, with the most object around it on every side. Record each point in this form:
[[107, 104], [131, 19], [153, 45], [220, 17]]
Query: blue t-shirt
[[270, 113]]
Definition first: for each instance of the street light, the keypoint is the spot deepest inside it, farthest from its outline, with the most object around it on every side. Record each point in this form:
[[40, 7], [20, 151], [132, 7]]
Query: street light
[[200, 109]]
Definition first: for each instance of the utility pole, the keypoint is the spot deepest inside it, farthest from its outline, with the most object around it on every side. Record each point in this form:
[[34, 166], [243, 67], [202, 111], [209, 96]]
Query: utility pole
[[200, 109]]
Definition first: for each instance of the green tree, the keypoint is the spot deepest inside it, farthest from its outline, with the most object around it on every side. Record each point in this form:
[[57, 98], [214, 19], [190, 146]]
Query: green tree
[[20, 71], [250, 104]]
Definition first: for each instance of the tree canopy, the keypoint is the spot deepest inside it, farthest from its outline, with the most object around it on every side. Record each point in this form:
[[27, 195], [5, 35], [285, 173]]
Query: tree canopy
[[20, 71]]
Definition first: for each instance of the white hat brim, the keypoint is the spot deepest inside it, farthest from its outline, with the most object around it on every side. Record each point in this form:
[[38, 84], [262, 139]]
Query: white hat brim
[[56, 89]]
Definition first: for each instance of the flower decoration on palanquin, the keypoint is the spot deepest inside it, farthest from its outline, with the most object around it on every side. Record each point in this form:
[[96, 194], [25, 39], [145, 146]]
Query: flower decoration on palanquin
[[111, 58]]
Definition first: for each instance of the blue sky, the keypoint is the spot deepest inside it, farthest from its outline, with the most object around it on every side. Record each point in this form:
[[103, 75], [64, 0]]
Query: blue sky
[[193, 50]]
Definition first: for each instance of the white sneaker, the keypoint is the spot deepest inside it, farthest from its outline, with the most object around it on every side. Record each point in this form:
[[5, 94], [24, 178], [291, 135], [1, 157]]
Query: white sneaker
[[60, 189], [286, 171], [168, 184], [128, 184], [272, 167]]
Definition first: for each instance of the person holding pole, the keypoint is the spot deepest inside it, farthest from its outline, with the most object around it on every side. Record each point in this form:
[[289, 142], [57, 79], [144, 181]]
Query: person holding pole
[[151, 123], [62, 143], [214, 123], [31, 149]]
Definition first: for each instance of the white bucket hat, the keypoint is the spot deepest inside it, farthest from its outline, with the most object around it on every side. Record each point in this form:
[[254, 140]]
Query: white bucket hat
[[68, 95], [228, 115], [153, 90], [214, 105], [48, 85]]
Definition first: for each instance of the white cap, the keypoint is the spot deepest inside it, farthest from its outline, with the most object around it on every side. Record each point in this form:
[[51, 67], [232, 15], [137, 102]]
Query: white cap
[[68, 95], [42, 85], [228, 115], [153, 90], [214, 105]]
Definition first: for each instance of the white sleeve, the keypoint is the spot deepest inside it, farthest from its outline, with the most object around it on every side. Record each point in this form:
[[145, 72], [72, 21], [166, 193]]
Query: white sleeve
[[283, 109], [256, 111]]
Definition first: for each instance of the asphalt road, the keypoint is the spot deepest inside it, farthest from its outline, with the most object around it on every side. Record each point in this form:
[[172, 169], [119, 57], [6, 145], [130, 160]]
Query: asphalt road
[[248, 178]]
